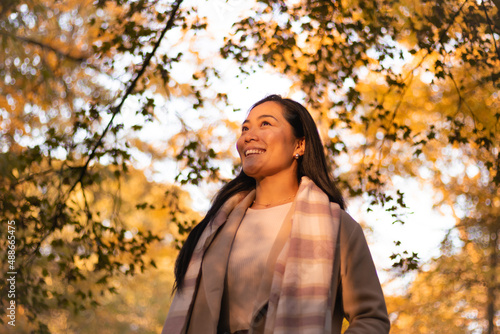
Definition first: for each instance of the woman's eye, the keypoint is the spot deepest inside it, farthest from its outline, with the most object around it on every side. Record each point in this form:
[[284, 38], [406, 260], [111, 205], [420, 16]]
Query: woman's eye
[[265, 123], [243, 129]]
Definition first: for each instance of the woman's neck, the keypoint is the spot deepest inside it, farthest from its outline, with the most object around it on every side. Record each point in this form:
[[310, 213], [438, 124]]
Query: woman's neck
[[276, 190]]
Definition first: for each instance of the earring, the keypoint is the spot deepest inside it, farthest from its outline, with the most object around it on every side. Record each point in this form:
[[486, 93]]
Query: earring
[[297, 156]]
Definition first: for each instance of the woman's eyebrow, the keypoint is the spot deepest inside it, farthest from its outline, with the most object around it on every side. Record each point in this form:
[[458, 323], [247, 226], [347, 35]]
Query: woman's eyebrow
[[261, 116]]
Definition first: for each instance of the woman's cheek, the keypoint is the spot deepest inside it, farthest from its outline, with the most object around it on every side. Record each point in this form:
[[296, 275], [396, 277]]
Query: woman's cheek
[[238, 146]]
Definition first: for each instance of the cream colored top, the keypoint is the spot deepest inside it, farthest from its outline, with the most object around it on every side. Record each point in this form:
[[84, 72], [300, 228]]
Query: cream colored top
[[247, 262]]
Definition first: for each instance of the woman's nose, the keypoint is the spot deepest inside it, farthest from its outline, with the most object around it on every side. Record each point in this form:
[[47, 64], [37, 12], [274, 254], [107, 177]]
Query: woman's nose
[[250, 135]]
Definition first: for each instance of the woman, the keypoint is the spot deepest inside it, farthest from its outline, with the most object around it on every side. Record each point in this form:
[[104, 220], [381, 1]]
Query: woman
[[276, 252]]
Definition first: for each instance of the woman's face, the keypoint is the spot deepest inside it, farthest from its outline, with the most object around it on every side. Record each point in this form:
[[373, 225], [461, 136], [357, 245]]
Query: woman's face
[[267, 144]]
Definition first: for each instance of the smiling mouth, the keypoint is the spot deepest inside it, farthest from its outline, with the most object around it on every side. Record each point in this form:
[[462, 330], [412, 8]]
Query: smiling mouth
[[254, 151]]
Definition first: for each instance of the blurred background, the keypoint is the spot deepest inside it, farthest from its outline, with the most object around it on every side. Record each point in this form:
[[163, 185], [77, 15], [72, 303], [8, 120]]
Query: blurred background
[[118, 123]]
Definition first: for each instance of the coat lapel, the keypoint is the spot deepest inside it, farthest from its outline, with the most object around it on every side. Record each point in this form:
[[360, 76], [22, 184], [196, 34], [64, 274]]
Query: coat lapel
[[183, 302], [216, 259]]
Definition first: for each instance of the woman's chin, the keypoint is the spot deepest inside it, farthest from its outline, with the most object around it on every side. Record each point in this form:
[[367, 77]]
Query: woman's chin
[[252, 172]]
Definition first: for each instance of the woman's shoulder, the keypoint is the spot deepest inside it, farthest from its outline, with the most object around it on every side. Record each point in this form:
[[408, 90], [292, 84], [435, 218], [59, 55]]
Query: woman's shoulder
[[343, 215], [348, 225]]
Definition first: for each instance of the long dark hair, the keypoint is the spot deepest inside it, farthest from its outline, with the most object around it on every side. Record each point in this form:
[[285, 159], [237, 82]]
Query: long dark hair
[[312, 164]]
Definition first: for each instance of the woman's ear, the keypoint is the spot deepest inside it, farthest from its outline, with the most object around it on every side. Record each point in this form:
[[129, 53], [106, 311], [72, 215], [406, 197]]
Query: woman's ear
[[300, 148]]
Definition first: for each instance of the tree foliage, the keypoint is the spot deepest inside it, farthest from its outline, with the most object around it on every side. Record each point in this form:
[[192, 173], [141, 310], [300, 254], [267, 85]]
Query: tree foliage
[[129, 298], [61, 144], [457, 292]]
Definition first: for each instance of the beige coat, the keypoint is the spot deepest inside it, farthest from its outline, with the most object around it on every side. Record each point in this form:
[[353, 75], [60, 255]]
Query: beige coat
[[356, 289]]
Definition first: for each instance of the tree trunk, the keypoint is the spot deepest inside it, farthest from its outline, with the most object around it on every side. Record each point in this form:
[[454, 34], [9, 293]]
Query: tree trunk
[[492, 286]]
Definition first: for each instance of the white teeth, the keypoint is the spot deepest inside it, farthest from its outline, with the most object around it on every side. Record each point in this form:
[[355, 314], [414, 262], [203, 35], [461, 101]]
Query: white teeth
[[253, 152]]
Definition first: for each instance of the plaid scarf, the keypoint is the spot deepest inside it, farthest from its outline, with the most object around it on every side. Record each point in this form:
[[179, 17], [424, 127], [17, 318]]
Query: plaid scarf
[[300, 298]]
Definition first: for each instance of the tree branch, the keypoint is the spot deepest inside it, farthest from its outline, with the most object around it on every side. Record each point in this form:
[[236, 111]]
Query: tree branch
[[58, 52], [497, 3], [130, 89], [115, 111], [444, 32], [6, 7], [490, 24], [44, 46]]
